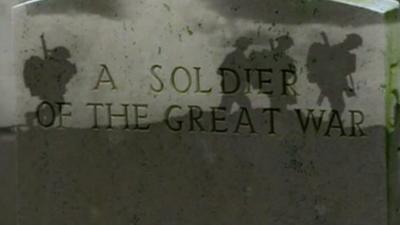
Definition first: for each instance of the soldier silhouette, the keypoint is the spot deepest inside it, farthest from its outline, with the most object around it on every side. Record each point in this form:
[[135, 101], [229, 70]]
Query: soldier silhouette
[[283, 62], [47, 78], [331, 68], [278, 60], [233, 74]]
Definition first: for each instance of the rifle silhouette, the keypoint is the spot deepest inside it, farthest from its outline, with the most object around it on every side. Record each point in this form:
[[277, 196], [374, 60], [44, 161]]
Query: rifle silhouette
[[326, 42], [44, 47]]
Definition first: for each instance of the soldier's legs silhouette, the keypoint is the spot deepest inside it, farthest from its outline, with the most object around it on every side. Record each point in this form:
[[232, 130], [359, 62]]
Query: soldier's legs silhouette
[[241, 100], [336, 101]]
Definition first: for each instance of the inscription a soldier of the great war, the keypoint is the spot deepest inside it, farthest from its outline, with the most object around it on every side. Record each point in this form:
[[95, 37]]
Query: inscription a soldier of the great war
[[269, 72], [238, 117]]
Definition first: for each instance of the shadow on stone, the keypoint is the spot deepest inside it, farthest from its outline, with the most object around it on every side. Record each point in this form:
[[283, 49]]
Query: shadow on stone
[[331, 68], [47, 78]]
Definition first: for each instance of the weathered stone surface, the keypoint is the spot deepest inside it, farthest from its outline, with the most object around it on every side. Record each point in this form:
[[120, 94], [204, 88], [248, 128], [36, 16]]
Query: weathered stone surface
[[8, 175], [199, 112]]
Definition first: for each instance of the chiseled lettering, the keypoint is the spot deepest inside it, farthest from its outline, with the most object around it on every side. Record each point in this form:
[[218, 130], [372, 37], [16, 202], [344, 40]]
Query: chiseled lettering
[[105, 80]]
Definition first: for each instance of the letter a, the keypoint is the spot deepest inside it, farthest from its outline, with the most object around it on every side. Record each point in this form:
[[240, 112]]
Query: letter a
[[108, 80]]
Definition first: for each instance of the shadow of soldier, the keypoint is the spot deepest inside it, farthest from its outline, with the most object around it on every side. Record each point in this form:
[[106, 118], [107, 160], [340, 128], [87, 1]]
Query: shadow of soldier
[[280, 86], [47, 78], [234, 82], [270, 72], [331, 68]]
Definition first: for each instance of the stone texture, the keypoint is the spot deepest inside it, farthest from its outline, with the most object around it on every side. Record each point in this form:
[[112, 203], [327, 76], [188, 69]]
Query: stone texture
[[197, 173]]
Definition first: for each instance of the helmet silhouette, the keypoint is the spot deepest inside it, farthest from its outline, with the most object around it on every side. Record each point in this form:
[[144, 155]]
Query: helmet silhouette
[[243, 42], [284, 42], [60, 53], [353, 41]]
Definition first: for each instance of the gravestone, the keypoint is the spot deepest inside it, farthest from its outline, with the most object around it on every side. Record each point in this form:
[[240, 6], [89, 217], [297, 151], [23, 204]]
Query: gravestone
[[207, 112]]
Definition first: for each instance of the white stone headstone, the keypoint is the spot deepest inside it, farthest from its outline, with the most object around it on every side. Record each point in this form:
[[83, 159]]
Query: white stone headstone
[[207, 112]]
